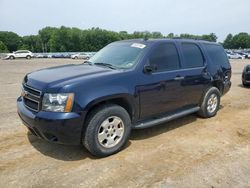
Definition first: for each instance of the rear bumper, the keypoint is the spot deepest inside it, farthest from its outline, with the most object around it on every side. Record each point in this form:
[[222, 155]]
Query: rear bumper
[[63, 128]]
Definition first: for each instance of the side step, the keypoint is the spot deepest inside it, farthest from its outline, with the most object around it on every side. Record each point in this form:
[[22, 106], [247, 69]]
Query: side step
[[164, 119]]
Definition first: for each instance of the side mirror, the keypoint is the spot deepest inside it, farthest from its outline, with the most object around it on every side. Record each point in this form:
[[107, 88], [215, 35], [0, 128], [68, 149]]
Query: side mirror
[[150, 68]]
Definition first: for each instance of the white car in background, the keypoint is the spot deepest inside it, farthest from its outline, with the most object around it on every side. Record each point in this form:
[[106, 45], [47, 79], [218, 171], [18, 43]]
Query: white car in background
[[20, 54], [81, 55], [232, 55]]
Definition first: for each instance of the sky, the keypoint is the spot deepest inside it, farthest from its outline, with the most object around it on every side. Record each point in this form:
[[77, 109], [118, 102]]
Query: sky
[[221, 17]]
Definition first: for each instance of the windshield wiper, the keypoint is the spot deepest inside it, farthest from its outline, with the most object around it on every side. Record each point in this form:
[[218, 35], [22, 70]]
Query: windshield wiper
[[106, 65]]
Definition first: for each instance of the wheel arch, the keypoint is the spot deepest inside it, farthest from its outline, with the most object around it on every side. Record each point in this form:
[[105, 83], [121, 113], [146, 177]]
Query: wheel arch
[[219, 85], [124, 100]]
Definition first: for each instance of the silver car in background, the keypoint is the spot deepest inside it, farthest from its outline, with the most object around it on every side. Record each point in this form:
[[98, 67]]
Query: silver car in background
[[19, 54], [81, 55]]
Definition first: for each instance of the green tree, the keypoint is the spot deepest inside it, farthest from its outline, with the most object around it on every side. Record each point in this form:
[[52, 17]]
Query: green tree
[[45, 35], [124, 35], [170, 35], [32, 43], [228, 41], [156, 35], [11, 40], [211, 37], [52, 39], [241, 40], [3, 48], [60, 40]]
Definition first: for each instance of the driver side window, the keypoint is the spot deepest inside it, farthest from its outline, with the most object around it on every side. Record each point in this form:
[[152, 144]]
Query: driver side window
[[165, 57]]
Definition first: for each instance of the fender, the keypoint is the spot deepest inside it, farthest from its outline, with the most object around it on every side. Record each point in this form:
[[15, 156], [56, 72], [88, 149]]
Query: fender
[[90, 99]]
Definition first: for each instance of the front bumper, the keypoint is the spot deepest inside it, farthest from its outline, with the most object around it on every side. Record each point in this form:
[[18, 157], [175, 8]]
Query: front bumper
[[63, 128], [246, 77]]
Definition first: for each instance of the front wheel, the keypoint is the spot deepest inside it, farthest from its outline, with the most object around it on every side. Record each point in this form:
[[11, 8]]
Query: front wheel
[[28, 57], [108, 129], [210, 103]]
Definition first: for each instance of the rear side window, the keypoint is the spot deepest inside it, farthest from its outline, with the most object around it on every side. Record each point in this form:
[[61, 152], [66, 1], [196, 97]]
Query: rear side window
[[192, 55], [165, 57], [217, 54]]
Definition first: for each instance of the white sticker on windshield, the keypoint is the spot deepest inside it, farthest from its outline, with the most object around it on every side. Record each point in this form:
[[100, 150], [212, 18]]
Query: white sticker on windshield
[[138, 45]]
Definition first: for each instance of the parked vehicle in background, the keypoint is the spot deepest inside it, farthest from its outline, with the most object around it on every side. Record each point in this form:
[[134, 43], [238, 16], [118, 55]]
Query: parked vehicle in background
[[19, 54], [67, 55], [246, 76], [232, 55], [41, 55], [244, 54], [247, 54], [57, 55], [130, 84], [81, 55]]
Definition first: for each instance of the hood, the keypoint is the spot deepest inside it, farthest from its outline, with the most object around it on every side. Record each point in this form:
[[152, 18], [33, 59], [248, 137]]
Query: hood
[[59, 76]]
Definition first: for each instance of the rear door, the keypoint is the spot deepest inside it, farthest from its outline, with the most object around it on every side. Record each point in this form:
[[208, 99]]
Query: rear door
[[194, 71], [18, 54]]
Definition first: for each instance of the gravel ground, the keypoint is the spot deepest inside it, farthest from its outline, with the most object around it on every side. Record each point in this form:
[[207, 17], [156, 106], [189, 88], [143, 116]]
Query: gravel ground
[[188, 152]]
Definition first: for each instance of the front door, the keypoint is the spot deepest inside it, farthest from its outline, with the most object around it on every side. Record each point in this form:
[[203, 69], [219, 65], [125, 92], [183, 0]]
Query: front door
[[162, 90]]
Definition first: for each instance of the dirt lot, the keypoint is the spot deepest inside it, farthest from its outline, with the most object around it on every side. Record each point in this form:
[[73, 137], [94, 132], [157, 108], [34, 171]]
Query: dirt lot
[[189, 152]]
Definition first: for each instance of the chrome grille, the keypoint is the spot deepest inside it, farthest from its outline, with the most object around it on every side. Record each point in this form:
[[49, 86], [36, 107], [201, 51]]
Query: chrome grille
[[31, 98]]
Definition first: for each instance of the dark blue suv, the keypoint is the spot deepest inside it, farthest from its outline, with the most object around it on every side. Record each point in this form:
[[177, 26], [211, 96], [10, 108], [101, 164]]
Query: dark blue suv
[[127, 85]]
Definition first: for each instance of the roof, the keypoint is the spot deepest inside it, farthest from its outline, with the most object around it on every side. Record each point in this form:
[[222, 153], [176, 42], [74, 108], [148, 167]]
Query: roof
[[150, 41]]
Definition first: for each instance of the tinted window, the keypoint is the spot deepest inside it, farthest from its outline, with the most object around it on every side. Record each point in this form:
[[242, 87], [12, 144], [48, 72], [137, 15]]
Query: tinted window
[[192, 55], [165, 57], [216, 54]]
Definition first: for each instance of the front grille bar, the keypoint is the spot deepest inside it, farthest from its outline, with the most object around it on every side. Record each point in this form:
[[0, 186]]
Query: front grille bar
[[30, 95]]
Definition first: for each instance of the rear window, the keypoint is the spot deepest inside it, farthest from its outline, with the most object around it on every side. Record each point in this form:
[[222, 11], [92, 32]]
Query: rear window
[[192, 55], [217, 54]]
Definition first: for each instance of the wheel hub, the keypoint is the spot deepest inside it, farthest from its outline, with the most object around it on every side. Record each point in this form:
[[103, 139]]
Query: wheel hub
[[111, 132], [212, 103]]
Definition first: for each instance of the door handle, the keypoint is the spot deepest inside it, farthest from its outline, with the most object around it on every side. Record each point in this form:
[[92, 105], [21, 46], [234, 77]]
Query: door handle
[[179, 78]]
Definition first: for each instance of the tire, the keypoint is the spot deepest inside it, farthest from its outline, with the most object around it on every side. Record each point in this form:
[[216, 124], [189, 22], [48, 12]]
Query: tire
[[28, 57], [12, 57], [108, 129], [210, 103]]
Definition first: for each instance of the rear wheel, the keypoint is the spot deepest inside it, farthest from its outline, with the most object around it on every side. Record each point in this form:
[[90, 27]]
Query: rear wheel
[[210, 103], [108, 129]]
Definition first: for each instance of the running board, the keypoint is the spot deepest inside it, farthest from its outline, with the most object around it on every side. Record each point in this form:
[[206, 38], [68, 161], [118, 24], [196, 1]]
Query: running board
[[160, 120]]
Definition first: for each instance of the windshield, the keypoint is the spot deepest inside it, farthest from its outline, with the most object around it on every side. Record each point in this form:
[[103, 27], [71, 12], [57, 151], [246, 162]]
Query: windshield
[[119, 55]]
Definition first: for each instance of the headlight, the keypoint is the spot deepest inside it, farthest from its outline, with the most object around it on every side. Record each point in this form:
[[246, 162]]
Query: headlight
[[61, 102]]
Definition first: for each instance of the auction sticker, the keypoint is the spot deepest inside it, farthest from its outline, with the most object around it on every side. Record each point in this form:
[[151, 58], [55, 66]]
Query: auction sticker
[[138, 45]]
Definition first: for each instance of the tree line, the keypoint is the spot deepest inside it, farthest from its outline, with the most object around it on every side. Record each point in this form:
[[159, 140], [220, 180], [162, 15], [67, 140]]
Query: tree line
[[66, 39], [239, 41]]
